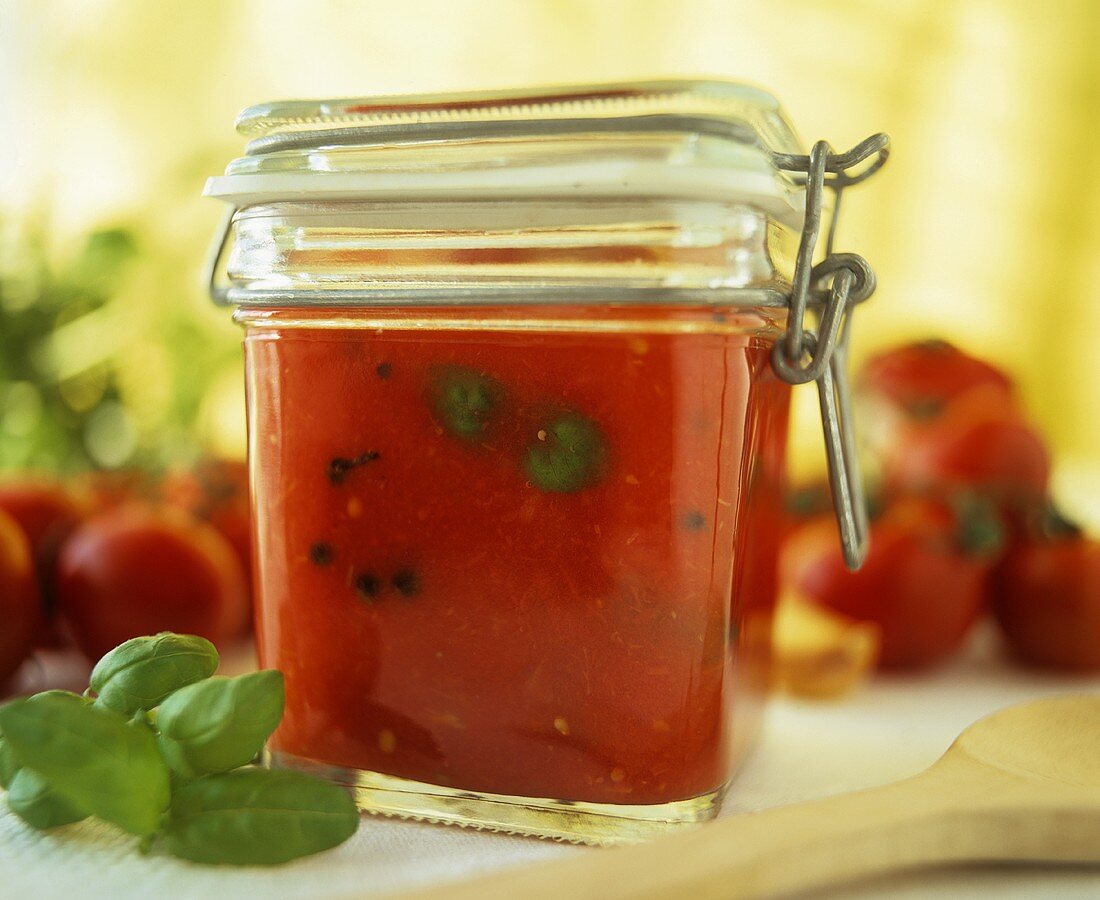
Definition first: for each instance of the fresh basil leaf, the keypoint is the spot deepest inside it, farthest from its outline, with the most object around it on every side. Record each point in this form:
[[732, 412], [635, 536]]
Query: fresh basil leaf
[[32, 799], [258, 817], [8, 764], [464, 401], [67, 696], [220, 723], [140, 673], [568, 454], [92, 757]]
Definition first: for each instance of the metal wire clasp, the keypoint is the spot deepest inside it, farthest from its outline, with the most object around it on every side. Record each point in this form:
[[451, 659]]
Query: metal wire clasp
[[219, 293], [828, 291]]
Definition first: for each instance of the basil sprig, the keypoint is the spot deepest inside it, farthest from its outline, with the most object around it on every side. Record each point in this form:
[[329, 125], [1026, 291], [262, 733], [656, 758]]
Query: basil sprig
[[160, 748], [29, 794], [142, 672], [93, 757], [258, 817], [34, 801], [220, 723], [9, 765]]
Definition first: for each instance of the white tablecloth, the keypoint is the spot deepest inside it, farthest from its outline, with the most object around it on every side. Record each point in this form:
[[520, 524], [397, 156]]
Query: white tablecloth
[[890, 729]]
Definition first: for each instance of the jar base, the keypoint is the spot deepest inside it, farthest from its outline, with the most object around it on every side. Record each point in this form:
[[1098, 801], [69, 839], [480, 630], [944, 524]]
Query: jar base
[[575, 822]]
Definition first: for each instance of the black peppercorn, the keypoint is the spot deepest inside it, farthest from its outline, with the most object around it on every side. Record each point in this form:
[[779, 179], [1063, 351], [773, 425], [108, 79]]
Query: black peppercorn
[[339, 466], [367, 585], [406, 582], [320, 554], [694, 521]]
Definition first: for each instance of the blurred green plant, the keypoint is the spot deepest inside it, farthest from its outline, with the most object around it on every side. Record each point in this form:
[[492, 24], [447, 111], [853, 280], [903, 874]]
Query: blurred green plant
[[101, 364]]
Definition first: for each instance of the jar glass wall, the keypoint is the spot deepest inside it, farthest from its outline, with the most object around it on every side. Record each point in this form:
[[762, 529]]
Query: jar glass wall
[[517, 566]]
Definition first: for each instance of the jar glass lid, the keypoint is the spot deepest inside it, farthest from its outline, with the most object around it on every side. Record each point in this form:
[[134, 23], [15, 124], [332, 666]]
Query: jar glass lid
[[725, 108], [689, 140]]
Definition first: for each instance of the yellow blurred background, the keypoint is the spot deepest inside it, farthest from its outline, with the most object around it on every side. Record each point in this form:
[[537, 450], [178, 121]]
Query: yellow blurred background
[[984, 227]]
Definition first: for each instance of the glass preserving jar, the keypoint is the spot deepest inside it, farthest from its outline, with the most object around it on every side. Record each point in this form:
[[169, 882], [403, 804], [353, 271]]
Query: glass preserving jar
[[518, 369]]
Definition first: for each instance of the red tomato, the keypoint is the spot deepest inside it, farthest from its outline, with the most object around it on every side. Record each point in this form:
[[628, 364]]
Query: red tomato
[[47, 511], [1046, 599], [20, 613], [974, 446], [216, 491], [817, 538], [942, 419], [923, 377], [139, 569], [923, 581]]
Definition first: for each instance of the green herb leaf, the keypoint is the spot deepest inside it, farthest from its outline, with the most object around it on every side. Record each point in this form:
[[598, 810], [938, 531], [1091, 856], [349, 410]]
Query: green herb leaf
[[32, 799], [8, 764], [142, 672], [258, 817], [569, 454], [64, 696], [464, 401], [92, 757], [221, 723]]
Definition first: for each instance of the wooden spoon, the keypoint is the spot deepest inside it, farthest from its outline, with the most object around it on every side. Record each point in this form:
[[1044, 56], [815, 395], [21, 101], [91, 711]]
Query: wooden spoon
[[1020, 785]]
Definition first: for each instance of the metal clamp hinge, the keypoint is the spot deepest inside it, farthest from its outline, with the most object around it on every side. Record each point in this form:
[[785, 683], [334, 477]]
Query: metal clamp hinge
[[828, 291]]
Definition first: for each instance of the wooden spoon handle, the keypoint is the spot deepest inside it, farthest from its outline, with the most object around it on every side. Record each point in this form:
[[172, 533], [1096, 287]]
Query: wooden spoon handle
[[921, 820]]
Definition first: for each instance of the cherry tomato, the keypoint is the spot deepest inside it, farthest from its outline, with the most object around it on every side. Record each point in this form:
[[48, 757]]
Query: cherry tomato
[[974, 446], [141, 569], [942, 419], [923, 581], [216, 491], [805, 546], [1046, 599], [20, 612], [923, 377], [47, 511]]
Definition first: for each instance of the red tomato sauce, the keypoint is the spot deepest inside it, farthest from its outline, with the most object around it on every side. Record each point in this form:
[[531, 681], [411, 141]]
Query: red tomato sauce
[[528, 562]]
